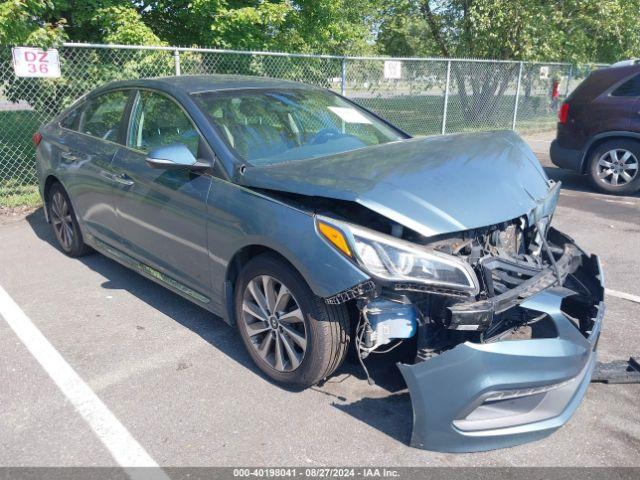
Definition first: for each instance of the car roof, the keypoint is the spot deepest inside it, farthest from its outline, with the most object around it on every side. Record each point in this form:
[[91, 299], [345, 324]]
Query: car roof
[[206, 83], [600, 80]]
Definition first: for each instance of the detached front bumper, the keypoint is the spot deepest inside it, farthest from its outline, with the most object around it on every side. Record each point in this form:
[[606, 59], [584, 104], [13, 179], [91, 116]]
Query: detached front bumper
[[483, 396]]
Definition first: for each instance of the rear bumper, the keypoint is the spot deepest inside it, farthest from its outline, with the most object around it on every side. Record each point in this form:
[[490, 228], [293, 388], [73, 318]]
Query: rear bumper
[[565, 157], [483, 396]]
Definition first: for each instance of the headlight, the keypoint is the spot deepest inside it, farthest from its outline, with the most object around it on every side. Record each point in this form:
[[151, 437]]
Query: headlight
[[392, 259]]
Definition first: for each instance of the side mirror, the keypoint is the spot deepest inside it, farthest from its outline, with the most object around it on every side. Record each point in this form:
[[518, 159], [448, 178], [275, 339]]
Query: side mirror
[[174, 157]]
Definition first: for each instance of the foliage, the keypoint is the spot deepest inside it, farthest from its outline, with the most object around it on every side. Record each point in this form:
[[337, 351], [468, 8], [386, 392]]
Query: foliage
[[123, 25], [25, 22], [322, 26], [560, 30]]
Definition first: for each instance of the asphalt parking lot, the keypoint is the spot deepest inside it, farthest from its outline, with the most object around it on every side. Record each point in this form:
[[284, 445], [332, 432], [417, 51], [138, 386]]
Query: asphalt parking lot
[[179, 381]]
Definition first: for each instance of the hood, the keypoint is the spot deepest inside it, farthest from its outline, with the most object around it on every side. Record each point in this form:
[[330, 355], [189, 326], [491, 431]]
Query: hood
[[431, 185]]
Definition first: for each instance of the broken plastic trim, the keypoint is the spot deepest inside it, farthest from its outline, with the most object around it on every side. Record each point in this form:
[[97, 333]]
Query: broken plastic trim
[[356, 291], [464, 316]]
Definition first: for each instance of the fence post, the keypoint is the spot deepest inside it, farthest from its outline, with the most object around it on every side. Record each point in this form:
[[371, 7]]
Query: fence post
[[176, 59], [343, 77], [566, 90], [515, 106], [446, 98]]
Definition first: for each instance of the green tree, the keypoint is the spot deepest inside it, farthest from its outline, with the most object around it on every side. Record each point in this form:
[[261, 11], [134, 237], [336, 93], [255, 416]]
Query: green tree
[[27, 22], [46, 22], [336, 26], [542, 30], [538, 30]]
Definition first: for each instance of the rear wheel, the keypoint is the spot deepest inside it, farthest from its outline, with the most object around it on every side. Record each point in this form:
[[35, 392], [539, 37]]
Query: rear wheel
[[64, 223], [292, 335], [614, 166]]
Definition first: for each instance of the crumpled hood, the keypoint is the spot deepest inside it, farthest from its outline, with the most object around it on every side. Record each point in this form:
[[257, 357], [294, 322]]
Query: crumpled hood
[[432, 185]]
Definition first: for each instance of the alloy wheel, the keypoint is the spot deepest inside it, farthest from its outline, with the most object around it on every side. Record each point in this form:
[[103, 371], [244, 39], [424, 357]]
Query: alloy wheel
[[617, 167], [61, 220], [274, 323]]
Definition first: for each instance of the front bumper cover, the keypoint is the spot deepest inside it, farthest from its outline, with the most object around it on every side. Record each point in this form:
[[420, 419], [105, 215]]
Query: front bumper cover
[[483, 396]]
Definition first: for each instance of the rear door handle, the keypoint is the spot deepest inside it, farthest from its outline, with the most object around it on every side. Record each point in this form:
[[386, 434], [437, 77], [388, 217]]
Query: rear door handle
[[68, 156]]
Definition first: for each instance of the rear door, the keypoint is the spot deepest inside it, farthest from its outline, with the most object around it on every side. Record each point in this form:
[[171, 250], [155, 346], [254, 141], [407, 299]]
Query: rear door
[[92, 135], [162, 213]]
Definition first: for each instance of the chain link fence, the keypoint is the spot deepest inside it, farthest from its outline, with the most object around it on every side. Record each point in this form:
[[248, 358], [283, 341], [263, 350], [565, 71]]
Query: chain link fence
[[422, 96]]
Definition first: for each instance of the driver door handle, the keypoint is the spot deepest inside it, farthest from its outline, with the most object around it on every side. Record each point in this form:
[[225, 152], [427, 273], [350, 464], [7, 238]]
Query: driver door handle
[[123, 179], [120, 178]]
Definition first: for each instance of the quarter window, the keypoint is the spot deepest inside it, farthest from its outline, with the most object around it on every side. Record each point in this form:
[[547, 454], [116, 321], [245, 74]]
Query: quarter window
[[157, 120], [102, 116], [72, 119], [630, 88]]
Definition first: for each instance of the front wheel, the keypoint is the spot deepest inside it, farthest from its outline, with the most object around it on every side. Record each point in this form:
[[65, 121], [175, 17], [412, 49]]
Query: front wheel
[[613, 166], [293, 336]]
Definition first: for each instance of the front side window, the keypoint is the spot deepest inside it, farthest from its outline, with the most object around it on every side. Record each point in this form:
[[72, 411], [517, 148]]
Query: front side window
[[630, 88], [157, 120], [271, 126], [102, 116]]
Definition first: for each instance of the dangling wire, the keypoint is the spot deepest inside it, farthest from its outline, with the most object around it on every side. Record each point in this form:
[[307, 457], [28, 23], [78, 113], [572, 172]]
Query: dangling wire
[[360, 331], [550, 254]]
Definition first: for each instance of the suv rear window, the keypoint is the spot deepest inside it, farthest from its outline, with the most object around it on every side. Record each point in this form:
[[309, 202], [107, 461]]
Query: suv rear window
[[630, 88]]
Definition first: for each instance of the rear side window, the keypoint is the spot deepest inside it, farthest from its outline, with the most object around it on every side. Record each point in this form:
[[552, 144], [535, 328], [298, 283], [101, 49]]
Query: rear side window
[[630, 88], [102, 116]]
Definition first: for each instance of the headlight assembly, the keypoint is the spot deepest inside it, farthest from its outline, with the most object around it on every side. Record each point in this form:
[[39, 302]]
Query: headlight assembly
[[392, 259]]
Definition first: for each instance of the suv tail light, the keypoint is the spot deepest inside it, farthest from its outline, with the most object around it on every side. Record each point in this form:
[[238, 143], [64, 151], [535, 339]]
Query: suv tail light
[[37, 138], [563, 114]]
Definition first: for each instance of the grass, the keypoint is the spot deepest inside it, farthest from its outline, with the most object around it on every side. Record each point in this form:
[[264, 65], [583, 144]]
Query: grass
[[17, 196], [18, 187], [422, 114]]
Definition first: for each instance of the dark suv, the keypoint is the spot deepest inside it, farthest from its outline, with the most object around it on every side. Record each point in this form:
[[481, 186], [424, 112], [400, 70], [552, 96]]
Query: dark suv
[[599, 130]]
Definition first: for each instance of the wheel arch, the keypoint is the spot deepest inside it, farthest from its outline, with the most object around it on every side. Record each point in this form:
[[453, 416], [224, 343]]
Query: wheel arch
[[243, 256], [48, 183], [599, 139]]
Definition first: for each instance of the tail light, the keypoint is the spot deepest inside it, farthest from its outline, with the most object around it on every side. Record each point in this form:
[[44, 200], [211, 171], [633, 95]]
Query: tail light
[[37, 138], [563, 114]]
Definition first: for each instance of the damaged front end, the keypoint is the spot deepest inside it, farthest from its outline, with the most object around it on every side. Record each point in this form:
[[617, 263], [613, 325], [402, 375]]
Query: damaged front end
[[506, 334], [525, 373]]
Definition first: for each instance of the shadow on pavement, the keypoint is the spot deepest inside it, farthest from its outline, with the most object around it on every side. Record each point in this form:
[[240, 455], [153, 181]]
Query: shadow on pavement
[[387, 409], [390, 414], [570, 180], [203, 323], [576, 182]]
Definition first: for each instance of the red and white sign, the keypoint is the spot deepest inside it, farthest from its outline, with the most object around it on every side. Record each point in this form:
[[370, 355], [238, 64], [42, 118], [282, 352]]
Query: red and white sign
[[36, 62]]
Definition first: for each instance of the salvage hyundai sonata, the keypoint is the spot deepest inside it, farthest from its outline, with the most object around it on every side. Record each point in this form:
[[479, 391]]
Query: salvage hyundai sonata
[[311, 224]]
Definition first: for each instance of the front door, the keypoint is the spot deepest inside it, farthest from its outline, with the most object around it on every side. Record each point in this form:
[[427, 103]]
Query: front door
[[162, 213]]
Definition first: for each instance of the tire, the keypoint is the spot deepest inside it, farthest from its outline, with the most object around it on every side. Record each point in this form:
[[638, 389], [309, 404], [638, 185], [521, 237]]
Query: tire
[[324, 327], [603, 159], [64, 223]]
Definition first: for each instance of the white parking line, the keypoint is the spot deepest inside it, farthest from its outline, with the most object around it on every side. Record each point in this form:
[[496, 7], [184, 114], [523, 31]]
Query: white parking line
[[623, 295], [126, 451]]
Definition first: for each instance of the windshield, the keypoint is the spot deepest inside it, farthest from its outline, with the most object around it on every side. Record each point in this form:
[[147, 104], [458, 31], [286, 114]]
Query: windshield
[[265, 127]]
